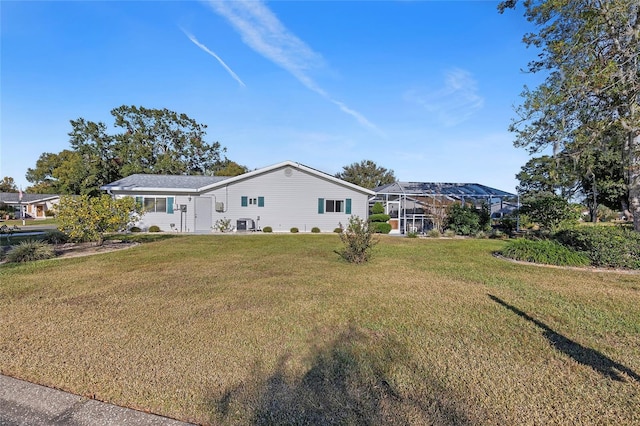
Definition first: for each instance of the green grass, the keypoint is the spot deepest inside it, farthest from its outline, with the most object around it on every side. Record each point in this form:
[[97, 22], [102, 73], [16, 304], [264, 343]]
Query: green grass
[[277, 329]]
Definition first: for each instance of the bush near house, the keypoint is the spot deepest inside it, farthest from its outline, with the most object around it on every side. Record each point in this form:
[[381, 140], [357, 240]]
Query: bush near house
[[467, 220], [358, 240], [267, 229], [294, 230], [315, 230], [154, 228]]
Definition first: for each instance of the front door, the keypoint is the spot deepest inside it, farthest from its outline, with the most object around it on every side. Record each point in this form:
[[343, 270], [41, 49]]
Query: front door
[[203, 209]]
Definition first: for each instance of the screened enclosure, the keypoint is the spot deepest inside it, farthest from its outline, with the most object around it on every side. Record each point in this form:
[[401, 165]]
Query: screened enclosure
[[421, 206]]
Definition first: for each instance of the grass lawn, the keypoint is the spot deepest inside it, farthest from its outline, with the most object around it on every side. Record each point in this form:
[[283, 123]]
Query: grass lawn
[[277, 329]]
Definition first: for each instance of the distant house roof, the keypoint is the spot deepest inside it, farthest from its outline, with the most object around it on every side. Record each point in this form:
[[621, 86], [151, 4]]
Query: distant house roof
[[176, 183], [14, 198], [456, 190]]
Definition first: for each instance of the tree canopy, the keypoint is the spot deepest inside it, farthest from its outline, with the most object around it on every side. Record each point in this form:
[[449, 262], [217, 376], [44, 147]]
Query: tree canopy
[[153, 141], [589, 51], [366, 174], [8, 185]]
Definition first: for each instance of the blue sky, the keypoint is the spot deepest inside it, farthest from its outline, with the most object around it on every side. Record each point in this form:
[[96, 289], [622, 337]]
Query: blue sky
[[425, 88]]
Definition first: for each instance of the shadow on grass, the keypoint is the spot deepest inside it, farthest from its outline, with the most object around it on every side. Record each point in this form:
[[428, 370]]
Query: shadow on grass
[[585, 356], [348, 383]]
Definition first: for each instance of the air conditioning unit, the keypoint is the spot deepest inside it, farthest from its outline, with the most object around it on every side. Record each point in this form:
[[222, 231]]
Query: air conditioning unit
[[219, 206]]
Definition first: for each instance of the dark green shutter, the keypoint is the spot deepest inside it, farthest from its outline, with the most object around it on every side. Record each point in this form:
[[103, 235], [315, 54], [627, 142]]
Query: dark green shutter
[[347, 208], [244, 201], [139, 204], [169, 204], [320, 205], [260, 201]]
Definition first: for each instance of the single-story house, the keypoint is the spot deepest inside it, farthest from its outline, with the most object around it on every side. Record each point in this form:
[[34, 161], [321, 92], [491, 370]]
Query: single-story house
[[281, 196], [29, 205], [420, 206]]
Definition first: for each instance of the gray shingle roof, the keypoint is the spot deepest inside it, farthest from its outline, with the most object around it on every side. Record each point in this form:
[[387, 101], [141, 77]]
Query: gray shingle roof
[[13, 197], [144, 182]]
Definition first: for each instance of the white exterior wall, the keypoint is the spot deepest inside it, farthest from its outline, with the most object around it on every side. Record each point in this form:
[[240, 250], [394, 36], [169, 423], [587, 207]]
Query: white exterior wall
[[164, 220], [290, 200]]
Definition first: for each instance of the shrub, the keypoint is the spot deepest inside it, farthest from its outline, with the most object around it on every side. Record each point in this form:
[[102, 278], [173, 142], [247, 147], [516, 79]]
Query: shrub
[[609, 246], [338, 230], [544, 251], [449, 233], [294, 230], [223, 225], [315, 230], [549, 211], [412, 235], [358, 240], [154, 228], [467, 220], [267, 229], [49, 213], [481, 235], [55, 237], [28, 251], [377, 208], [379, 217], [381, 227], [135, 229], [433, 233]]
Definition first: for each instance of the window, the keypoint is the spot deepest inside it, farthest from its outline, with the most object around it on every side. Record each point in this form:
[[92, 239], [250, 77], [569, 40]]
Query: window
[[158, 204], [246, 201], [334, 206]]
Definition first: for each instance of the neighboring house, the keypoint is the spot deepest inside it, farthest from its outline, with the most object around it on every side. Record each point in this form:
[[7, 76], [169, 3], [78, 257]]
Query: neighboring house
[[30, 205], [281, 196], [420, 206]]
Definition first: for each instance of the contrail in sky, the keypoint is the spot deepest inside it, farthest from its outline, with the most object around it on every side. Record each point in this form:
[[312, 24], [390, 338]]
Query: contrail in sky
[[261, 30], [206, 49]]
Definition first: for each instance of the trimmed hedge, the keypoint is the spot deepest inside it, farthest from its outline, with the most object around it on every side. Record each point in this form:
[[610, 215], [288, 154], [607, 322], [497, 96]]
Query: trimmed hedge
[[381, 227], [154, 228], [544, 251], [294, 230], [609, 246], [315, 230], [267, 229], [380, 217]]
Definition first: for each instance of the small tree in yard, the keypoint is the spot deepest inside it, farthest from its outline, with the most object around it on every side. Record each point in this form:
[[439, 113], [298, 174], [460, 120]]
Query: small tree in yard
[[89, 218], [358, 240]]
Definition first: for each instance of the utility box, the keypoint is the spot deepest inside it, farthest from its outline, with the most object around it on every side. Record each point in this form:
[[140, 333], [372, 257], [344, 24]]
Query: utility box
[[245, 224]]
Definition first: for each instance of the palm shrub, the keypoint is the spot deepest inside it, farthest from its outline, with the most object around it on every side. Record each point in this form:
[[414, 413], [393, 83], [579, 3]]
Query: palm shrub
[[358, 240], [30, 250]]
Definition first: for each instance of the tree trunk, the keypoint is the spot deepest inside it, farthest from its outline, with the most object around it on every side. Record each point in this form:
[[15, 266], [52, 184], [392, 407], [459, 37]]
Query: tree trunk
[[633, 175]]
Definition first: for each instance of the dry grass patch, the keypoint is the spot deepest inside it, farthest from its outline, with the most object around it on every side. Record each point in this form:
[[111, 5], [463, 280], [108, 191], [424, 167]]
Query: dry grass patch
[[273, 329]]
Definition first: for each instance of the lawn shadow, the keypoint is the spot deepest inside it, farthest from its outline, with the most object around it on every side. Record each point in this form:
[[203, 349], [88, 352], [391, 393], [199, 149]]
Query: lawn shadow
[[348, 383], [582, 354]]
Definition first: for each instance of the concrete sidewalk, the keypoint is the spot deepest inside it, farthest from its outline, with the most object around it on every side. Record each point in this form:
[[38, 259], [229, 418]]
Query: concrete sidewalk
[[24, 403]]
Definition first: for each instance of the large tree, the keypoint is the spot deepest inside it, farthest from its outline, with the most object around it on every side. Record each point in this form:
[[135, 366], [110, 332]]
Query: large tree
[[366, 174], [589, 51], [8, 185], [154, 141]]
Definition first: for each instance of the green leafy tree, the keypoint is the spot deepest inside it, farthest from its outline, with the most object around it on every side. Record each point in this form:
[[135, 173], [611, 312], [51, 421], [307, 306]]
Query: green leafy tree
[[230, 168], [589, 54], [548, 175], [8, 185], [85, 218], [160, 141], [63, 173], [366, 174]]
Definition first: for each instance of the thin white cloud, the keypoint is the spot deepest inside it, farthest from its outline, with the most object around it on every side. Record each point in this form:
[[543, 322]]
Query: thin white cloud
[[453, 103], [261, 30], [206, 49]]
